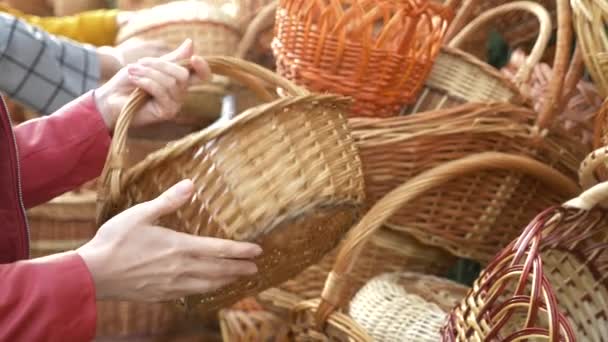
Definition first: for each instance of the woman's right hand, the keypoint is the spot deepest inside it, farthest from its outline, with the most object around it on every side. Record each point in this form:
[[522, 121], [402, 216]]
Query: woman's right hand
[[131, 258]]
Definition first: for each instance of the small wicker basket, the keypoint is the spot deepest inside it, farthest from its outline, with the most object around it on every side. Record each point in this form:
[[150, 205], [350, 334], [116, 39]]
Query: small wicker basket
[[378, 52], [282, 173]]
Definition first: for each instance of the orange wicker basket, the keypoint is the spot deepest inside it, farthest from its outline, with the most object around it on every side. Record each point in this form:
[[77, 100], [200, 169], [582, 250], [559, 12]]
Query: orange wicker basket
[[378, 52], [301, 175], [315, 320]]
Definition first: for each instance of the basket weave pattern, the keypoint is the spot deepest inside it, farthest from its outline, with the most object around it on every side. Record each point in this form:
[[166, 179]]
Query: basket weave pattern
[[549, 283], [399, 307], [378, 52], [285, 175]]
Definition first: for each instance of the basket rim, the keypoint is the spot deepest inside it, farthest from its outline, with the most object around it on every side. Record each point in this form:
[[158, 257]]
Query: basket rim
[[220, 128]]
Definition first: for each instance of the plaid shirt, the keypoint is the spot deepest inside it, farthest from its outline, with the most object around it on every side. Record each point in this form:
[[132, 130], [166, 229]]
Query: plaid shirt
[[41, 71]]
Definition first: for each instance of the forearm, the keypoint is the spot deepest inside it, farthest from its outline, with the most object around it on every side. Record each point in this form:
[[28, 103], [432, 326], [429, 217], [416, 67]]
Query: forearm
[[47, 299], [70, 146], [41, 71]]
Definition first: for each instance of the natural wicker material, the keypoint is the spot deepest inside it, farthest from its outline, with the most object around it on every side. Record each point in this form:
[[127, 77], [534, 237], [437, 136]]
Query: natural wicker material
[[378, 52], [590, 18], [328, 321], [458, 77], [397, 307], [517, 28], [281, 173], [550, 283], [582, 101], [247, 321], [386, 252], [477, 215], [212, 29]]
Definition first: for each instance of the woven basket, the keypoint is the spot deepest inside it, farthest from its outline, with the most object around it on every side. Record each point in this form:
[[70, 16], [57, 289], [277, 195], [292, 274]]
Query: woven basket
[[301, 175], [517, 28], [456, 217], [318, 320], [589, 19], [548, 284], [379, 53], [247, 321], [458, 77], [398, 307], [213, 31]]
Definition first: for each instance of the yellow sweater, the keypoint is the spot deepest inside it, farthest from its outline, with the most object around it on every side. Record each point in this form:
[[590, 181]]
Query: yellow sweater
[[98, 27]]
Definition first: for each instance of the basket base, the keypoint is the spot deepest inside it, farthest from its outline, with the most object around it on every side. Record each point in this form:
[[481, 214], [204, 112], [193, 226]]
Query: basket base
[[289, 248]]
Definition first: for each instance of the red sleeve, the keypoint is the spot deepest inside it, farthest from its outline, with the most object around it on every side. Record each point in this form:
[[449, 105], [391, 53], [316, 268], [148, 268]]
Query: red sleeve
[[59, 152], [47, 299]]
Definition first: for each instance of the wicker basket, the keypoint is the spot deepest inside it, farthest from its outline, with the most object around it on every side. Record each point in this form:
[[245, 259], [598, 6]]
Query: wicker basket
[[247, 321], [302, 175], [458, 77], [548, 284], [398, 307], [315, 320], [213, 31], [589, 18], [379, 53], [456, 217], [517, 28]]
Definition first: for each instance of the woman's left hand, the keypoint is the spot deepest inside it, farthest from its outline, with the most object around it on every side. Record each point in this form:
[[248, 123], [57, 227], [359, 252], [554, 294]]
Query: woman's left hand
[[162, 78]]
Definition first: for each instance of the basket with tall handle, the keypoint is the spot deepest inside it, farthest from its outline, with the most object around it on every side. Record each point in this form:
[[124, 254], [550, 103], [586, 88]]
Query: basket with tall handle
[[319, 317], [285, 174]]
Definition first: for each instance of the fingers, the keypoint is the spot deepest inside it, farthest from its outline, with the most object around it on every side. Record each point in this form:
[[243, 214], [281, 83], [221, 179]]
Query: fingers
[[168, 77], [184, 51], [202, 246], [202, 72], [168, 202], [190, 286], [214, 268]]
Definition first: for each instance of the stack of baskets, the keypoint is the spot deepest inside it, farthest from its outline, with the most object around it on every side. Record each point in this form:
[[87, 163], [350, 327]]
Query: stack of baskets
[[377, 148]]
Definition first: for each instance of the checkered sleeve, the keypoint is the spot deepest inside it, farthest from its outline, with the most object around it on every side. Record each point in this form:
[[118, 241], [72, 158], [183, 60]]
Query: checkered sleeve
[[42, 71]]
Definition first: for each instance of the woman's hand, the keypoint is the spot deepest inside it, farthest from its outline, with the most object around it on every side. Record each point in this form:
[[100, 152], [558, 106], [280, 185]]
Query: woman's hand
[[131, 258], [163, 79]]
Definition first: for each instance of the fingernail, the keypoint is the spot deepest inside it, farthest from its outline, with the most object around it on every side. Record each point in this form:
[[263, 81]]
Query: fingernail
[[253, 269], [183, 188], [134, 70], [256, 250]]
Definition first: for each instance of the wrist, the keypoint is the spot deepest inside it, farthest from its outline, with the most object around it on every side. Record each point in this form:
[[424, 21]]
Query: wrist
[[100, 96]]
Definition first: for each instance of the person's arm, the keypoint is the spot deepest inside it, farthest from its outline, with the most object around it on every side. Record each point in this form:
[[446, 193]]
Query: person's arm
[[97, 27], [59, 152], [47, 299], [41, 71]]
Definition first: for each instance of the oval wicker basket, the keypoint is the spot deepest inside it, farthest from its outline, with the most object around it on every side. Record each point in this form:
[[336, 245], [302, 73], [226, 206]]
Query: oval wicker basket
[[378, 52], [281, 172], [397, 307], [213, 31]]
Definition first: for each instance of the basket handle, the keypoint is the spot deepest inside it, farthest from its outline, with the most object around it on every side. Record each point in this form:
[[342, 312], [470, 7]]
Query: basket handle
[[337, 281], [553, 102], [263, 20], [242, 71], [524, 72], [586, 171]]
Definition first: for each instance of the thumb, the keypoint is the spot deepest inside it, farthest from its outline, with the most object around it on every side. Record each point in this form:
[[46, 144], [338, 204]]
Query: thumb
[[168, 202], [184, 51]]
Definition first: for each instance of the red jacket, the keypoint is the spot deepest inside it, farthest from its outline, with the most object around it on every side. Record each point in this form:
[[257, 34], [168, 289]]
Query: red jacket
[[53, 298]]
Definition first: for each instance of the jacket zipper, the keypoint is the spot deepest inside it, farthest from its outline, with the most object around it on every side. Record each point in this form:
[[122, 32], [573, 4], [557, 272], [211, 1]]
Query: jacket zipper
[[19, 187]]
